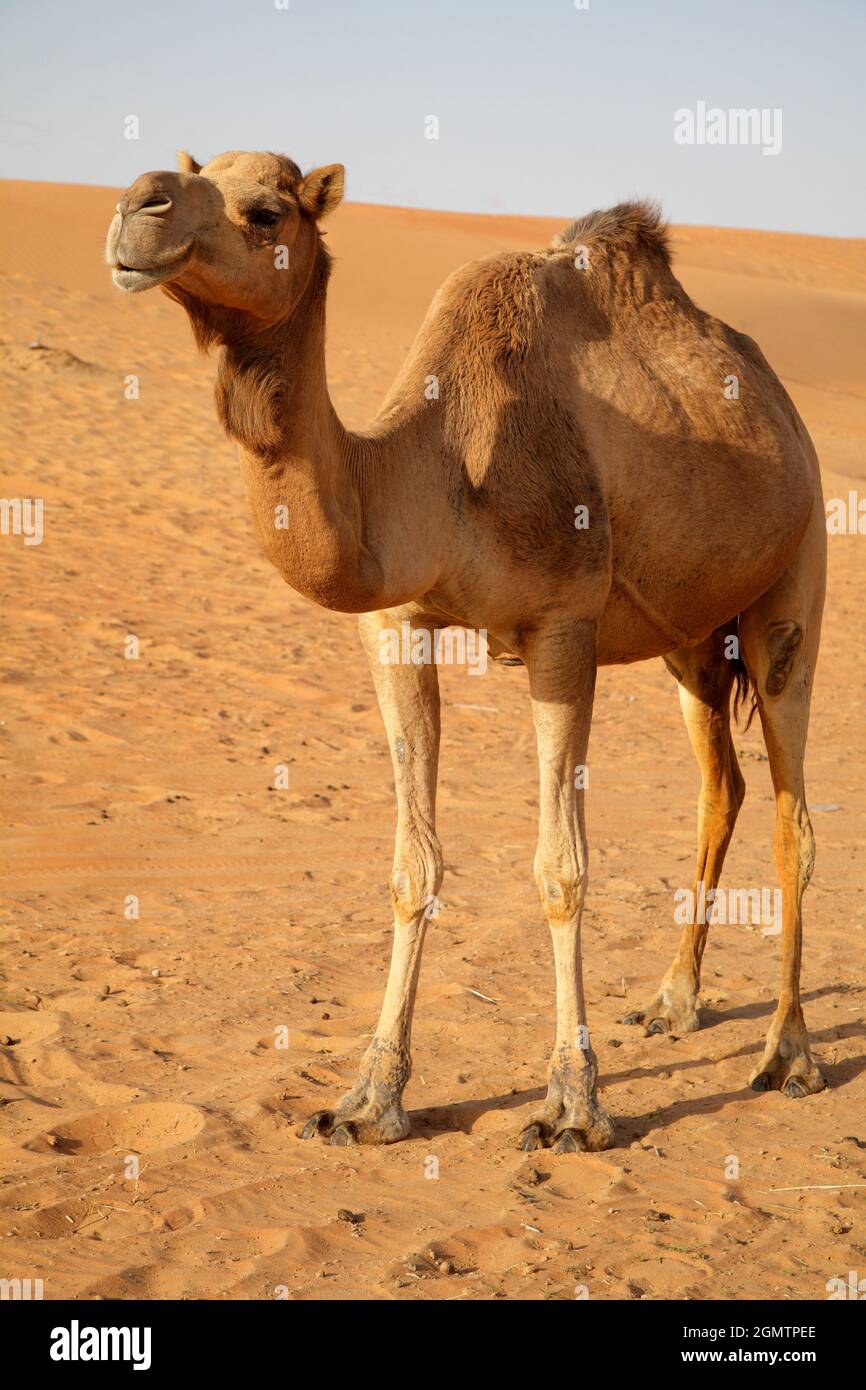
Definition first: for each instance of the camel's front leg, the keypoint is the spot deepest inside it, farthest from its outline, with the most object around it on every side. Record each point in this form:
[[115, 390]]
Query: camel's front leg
[[562, 666], [372, 1112]]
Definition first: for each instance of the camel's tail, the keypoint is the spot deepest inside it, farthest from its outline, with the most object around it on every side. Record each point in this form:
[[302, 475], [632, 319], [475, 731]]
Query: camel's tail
[[745, 694]]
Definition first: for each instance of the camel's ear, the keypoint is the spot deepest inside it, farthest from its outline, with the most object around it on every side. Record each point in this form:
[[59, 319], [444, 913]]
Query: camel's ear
[[186, 164], [322, 190]]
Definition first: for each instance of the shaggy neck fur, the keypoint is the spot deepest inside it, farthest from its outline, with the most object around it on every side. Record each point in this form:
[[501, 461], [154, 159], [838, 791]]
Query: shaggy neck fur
[[265, 367], [302, 469]]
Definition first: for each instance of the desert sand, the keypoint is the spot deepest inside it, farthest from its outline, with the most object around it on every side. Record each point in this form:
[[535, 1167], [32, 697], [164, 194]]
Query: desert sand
[[151, 1045]]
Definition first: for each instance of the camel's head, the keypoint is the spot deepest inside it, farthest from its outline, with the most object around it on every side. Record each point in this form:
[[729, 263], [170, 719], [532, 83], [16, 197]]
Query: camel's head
[[240, 232]]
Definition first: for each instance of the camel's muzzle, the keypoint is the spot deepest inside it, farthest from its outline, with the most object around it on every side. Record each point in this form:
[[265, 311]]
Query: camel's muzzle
[[139, 248], [135, 278]]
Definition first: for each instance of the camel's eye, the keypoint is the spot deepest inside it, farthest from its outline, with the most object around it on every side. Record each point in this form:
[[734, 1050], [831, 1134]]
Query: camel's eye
[[263, 217]]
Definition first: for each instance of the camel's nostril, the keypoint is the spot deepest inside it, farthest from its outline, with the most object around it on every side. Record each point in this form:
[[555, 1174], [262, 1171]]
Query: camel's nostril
[[155, 204]]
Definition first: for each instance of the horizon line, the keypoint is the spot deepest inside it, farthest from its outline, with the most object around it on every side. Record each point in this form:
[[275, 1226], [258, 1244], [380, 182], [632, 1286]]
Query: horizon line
[[481, 212]]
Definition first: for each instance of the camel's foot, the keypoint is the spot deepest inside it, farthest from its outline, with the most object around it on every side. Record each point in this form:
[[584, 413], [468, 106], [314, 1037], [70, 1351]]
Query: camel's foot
[[787, 1062], [372, 1112], [565, 1138], [366, 1125], [571, 1119], [673, 1010]]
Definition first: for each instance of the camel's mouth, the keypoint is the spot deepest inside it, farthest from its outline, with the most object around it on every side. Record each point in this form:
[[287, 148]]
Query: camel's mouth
[[134, 278]]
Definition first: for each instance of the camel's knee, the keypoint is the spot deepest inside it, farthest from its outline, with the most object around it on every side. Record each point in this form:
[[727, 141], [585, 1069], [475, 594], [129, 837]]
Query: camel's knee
[[562, 891], [795, 844], [805, 852], [806, 861], [415, 881]]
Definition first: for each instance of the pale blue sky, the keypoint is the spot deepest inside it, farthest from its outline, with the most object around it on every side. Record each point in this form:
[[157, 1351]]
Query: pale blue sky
[[543, 108]]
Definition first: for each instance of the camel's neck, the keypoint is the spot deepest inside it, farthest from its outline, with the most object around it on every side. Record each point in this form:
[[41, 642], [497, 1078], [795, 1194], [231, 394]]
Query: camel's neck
[[302, 470]]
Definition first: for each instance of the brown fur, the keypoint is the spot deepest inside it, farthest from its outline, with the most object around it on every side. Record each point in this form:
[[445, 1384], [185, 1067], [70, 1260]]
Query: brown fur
[[580, 376], [636, 228], [252, 392]]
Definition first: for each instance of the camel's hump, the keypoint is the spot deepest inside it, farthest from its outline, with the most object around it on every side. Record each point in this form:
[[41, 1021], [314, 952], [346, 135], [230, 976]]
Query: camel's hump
[[634, 227]]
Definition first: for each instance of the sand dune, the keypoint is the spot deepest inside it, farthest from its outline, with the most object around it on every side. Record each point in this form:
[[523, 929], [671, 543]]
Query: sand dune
[[147, 1118]]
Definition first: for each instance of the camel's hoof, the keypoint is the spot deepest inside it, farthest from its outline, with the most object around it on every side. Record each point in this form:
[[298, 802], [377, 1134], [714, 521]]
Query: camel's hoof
[[598, 1135], [793, 1084], [532, 1138], [664, 1016], [358, 1124], [654, 1028], [318, 1123], [570, 1141]]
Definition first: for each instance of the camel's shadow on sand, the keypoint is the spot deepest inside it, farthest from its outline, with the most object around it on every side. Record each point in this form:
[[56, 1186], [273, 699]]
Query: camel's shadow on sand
[[462, 1116]]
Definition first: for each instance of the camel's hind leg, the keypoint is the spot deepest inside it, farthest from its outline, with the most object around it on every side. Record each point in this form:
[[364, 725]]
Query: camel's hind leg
[[705, 676], [780, 635]]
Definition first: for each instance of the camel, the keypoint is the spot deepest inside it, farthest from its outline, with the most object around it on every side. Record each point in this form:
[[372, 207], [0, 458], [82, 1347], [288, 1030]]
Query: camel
[[574, 384]]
